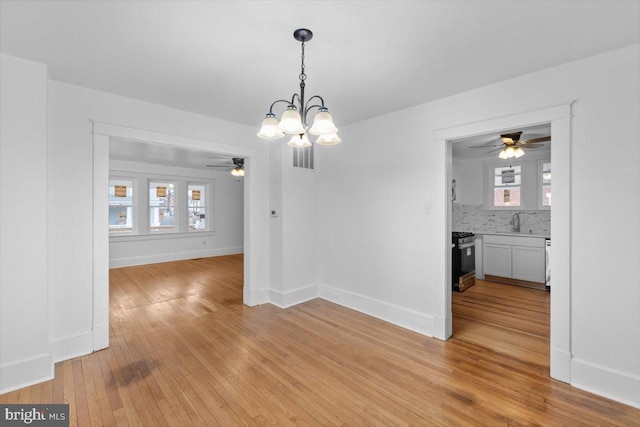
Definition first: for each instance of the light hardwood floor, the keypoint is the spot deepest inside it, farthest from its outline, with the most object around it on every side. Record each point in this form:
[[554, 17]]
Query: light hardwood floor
[[185, 351]]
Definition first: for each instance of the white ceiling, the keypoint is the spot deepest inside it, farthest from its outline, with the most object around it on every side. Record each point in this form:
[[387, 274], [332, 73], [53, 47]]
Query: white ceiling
[[135, 151], [231, 59], [463, 148]]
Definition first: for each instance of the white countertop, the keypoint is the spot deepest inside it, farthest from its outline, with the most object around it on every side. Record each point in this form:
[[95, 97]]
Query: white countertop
[[512, 233]]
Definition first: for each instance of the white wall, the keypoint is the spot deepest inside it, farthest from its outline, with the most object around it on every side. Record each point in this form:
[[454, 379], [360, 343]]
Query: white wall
[[70, 164], [25, 351], [225, 220], [379, 252]]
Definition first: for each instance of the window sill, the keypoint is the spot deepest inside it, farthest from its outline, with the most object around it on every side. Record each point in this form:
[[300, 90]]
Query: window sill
[[162, 236]]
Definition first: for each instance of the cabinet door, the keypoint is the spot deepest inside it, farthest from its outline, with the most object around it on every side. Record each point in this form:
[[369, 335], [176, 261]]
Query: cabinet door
[[496, 259], [528, 263]]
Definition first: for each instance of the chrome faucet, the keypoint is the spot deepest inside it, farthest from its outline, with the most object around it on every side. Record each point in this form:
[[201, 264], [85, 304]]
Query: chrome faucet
[[515, 221]]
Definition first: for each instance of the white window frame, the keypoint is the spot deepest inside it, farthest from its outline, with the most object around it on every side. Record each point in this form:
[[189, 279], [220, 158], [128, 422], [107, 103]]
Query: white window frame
[[134, 205], [539, 183], [176, 209], [208, 193], [490, 186]]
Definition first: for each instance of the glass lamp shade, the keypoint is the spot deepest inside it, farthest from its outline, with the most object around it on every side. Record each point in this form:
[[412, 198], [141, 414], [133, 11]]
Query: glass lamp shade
[[323, 123], [291, 122], [510, 152], [331, 139], [300, 140], [237, 172], [503, 154], [519, 152], [270, 128]]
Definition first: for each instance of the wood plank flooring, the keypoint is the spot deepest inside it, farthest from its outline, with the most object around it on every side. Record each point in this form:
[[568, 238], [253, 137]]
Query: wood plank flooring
[[185, 351], [511, 320]]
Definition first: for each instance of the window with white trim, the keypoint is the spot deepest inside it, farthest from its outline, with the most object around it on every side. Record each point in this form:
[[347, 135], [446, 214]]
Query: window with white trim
[[161, 206], [197, 206], [507, 183], [120, 206], [544, 176]]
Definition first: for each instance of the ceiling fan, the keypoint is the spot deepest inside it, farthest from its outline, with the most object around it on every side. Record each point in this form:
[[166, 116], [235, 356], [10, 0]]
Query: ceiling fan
[[237, 168], [511, 145]]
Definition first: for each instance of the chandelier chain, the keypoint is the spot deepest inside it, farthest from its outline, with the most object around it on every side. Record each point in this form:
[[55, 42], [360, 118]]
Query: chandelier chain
[[302, 76]]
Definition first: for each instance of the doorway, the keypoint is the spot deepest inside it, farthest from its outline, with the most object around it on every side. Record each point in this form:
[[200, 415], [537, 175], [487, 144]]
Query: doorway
[[560, 119], [102, 133], [504, 204]]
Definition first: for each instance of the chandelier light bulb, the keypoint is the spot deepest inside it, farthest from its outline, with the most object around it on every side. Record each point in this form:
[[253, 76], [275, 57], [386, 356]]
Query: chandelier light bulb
[[503, 154], [331, 139], [291, 122], [270, 128], [300, 140], [323, 123]]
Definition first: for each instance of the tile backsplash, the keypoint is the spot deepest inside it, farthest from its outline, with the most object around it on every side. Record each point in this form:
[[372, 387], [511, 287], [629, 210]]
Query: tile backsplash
[[476, 219]]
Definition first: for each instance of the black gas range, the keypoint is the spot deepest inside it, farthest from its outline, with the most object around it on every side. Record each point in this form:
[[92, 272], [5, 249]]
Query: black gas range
[[463, 260]]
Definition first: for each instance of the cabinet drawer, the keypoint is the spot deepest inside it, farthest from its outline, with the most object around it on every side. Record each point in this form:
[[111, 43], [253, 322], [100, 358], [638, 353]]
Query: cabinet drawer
[[534, 242]]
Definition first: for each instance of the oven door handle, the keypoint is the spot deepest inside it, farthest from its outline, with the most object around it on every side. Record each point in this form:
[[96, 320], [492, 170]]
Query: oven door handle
[[466, 245]]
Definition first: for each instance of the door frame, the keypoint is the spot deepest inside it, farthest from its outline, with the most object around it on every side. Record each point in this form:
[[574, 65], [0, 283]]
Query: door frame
[[102, 132], [559, 116]]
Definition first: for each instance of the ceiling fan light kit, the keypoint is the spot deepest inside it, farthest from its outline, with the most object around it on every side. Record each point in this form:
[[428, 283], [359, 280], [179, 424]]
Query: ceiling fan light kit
[[237, 169], [511, 145], [294, 119]]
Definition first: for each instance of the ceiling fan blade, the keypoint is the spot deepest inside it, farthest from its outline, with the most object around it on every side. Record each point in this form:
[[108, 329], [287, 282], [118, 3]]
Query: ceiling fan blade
[[533, 147], [219, 166], [534, 140], [486, 146], [494, 150]]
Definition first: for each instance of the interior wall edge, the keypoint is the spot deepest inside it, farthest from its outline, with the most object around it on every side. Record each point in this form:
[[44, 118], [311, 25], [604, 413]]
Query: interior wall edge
[[25, 373], [610, 383]]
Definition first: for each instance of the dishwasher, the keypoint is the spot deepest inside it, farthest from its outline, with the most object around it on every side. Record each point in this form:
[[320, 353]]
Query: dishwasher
[[547, 258]]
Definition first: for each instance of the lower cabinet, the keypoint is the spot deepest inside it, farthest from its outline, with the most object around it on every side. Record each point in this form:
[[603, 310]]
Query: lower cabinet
[[496, 259], [528, 263], [514, 257]]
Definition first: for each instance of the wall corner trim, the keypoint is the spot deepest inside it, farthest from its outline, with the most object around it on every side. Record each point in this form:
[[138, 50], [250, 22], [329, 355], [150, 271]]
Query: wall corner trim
[[415, 321], [293, 297], [607, 382], [26, 372]]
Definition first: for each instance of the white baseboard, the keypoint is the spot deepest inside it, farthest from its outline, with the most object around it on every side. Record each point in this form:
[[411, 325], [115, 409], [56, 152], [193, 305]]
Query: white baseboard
[[71, 346], [178, 256], [560, 365], [400, 316], [24, 373], [439, 328], [293, 297], [100, 336], [253, 297], [610, 383]]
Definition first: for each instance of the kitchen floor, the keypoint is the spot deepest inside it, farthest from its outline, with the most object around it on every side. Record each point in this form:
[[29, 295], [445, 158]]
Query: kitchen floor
[[506, 319]]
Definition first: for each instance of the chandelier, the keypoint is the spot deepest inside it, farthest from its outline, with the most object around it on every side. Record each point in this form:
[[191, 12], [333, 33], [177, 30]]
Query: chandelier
[[294, 119]]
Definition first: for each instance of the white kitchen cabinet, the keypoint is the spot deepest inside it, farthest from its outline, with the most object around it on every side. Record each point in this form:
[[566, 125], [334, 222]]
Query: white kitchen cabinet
[[517, 259], [527, 263], [496, 259]]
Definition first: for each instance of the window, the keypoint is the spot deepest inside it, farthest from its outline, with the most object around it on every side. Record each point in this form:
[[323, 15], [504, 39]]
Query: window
[[196, 199], [161, 206], [507, 182], [545, 184], [120, 206]]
